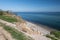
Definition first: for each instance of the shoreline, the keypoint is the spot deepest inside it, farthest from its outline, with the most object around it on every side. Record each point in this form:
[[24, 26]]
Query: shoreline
[[42, 28], [39, 29]]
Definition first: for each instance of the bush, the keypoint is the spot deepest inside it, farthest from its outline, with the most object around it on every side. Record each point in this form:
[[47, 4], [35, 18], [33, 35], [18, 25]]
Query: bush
[[56, 33], [53, 38], [1, 12]]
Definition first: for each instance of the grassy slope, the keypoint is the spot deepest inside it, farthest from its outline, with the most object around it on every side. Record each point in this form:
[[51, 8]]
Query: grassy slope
[[8, 19], [16, 34], [54, 35]]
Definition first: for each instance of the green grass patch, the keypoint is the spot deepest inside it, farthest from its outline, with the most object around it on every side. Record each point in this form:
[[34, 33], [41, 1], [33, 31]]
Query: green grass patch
[[8, 18], [56, 33], [53, 38]]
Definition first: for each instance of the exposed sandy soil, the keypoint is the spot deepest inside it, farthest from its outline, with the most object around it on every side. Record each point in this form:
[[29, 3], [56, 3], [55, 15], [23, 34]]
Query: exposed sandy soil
[[2, 37], [33, 27]]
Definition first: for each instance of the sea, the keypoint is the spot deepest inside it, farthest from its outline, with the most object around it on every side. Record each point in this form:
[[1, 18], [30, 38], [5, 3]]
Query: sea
[[50, 19]]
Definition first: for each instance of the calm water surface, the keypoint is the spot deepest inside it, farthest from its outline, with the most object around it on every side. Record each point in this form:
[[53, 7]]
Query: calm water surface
[[51, 19]]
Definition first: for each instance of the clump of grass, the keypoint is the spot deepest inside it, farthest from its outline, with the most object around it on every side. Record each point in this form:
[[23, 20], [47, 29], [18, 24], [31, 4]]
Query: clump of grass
[[53, 38], [16, 34], [56, 33]]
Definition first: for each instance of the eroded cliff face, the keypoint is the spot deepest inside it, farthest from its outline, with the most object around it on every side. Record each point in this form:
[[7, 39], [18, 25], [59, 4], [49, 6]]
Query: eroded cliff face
[[23, 27]]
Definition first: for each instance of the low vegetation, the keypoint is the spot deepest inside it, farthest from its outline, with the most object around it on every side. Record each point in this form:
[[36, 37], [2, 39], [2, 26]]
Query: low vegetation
[[54, 35], [53, 38], [5, 15], [8, 19]]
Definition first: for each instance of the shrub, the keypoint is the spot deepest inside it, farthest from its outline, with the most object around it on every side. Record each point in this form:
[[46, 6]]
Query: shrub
[[56, 33]]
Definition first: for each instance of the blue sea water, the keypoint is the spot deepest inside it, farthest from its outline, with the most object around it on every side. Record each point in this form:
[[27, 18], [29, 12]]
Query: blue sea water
[[50, 19]]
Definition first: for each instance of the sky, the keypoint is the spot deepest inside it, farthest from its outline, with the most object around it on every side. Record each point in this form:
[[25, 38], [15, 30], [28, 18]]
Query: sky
[[31, 5]]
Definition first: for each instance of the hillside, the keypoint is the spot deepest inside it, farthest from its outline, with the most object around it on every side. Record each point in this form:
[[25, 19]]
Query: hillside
[[8, 30], [13, 27]]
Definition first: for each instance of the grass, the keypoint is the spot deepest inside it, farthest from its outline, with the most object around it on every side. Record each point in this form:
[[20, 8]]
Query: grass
[[8, 19], [54, 35], [53, 38], [16, 34]]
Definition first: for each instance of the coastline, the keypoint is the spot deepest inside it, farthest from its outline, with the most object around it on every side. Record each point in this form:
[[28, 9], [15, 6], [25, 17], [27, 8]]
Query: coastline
[[42, 28]]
